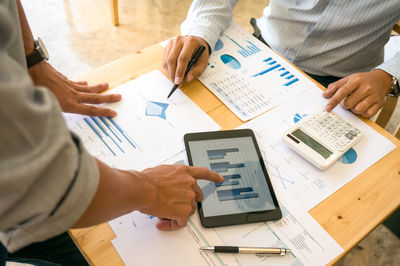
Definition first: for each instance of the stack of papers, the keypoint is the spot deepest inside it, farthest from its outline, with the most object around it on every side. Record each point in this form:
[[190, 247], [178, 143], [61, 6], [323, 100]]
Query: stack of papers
[[250, 79]]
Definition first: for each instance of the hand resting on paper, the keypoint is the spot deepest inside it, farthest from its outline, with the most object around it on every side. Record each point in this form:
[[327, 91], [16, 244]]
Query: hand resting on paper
[[74, 96], [362, 93]]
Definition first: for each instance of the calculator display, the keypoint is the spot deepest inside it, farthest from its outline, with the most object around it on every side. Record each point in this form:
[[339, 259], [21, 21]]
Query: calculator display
[[310, 142]]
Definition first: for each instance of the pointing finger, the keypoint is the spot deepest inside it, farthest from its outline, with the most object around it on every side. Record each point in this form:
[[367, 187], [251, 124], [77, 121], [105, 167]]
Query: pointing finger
[[206, 174], [333, 87], [340, 94]]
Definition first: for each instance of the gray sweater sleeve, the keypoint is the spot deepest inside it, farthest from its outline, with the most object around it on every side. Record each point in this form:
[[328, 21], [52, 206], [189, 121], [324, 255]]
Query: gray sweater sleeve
[[47, 178]]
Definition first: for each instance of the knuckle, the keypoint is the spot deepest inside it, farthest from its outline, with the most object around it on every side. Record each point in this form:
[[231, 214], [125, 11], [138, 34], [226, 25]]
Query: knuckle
[[191, 195], [191, 182], [171, 61], [182, 58]]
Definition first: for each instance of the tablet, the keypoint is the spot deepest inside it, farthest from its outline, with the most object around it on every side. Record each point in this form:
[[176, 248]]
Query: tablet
[[246, 195]]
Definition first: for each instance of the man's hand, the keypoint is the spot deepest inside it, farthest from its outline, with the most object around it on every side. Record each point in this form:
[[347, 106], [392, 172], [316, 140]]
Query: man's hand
[[175, 193], [74, 96], [362, 93], [177, 55]]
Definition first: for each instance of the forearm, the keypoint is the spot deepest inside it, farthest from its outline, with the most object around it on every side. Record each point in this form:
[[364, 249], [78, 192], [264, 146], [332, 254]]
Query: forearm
[[27, 35], [119, 192]]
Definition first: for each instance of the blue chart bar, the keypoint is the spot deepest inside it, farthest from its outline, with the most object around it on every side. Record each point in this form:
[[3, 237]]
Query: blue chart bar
[[267, 70], [228, 182], [285, 73], [97, 122], [250, 48], [90, 124], [108, 125], [126, 136], [236, 193], [220, 154], [291, 82], [224, 166]]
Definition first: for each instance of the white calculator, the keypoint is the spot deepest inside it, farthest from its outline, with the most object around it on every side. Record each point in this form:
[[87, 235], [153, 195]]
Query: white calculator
[[322, 137]]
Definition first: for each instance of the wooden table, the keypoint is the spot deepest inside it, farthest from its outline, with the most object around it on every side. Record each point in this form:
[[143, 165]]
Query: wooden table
[[348, 215]]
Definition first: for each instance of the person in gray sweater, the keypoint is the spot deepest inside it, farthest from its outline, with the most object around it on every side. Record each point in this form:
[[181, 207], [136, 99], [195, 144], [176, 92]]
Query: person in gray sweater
[[50, 183]]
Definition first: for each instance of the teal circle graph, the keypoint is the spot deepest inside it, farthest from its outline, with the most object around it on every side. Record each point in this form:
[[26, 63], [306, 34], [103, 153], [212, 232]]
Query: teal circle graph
[[349, 157], [230, 61], [219, 45]]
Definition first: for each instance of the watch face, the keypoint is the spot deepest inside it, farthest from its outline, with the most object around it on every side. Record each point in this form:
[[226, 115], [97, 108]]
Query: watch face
[[42, 49]]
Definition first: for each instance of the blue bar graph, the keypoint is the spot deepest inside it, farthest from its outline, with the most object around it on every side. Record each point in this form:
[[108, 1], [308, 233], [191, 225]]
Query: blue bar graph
[[220, 154], [90, 124], [123, 133], [97, 122], [108, 125], [273, 65], [267, 70], [248, 50], [236, 193], [228, 181], [224, 166]]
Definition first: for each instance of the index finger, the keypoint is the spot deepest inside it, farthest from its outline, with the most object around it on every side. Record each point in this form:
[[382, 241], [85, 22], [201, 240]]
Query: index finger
[[206, 174], [183, 61], [340, 94]]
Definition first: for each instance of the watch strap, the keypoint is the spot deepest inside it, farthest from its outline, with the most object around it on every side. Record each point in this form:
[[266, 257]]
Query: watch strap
[[34, 58]]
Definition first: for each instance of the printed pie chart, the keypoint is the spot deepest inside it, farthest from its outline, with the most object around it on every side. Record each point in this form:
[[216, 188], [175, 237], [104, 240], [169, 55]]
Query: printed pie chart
[[349, 157], [219, 45], [230, 61]]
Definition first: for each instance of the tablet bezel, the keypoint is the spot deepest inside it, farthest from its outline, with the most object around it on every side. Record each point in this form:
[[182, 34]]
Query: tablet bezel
[[238, 218]]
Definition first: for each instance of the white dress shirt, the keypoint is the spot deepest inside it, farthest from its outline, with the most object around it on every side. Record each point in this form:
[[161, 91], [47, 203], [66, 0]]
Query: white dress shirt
[[322, 37]]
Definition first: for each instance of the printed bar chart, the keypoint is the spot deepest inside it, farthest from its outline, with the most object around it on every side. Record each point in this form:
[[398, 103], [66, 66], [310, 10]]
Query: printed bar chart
[[110, 134], [288, 78], [250, 48], [90, 124], [236, 193], [224, 166], [220, 154]]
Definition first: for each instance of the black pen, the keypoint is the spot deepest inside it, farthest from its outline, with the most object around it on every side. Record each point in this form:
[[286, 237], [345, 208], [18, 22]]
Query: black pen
[[249, 250], [193, 61]]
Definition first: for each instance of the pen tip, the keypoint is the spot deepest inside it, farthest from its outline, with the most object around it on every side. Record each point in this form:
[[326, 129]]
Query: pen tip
[[288, 250]]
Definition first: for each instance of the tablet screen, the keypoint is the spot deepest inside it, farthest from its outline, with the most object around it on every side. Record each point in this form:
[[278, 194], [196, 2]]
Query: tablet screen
[[244, 188]]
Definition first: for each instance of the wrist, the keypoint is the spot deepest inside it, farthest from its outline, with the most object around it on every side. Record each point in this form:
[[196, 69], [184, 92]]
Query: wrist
[[141, 193], [37, 72], [386, 80]]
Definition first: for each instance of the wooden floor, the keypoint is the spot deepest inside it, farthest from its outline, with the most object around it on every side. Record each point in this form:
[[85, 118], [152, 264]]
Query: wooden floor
[[80, 36]]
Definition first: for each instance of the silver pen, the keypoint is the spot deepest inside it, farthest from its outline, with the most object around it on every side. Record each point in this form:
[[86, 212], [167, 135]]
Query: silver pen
[[249, 250]]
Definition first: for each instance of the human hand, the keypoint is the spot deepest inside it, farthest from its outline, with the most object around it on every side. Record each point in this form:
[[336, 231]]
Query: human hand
[[175, 193], [177, 55], [74, 96], [362, 93]]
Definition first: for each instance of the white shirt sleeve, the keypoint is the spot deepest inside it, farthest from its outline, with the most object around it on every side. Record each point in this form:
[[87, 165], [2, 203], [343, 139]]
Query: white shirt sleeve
[[207, 19]]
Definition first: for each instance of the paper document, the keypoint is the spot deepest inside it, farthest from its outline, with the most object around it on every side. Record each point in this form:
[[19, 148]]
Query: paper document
[[136, 234], [293, 176], [148, 128], [248, 77]]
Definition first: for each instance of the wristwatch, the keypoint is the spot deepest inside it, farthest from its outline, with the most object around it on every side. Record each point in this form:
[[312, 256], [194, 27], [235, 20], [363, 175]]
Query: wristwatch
[[395, 88], [38, 55]]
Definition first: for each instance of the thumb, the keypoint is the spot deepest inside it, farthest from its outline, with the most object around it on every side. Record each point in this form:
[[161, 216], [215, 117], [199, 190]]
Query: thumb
[[169, 224]]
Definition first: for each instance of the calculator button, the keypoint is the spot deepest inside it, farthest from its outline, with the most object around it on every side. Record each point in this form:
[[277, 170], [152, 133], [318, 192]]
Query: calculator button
[[349, 136], [353, 133]]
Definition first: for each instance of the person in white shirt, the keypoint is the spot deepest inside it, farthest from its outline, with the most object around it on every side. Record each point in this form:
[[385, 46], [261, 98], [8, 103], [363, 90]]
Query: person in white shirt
[[338, 43]]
